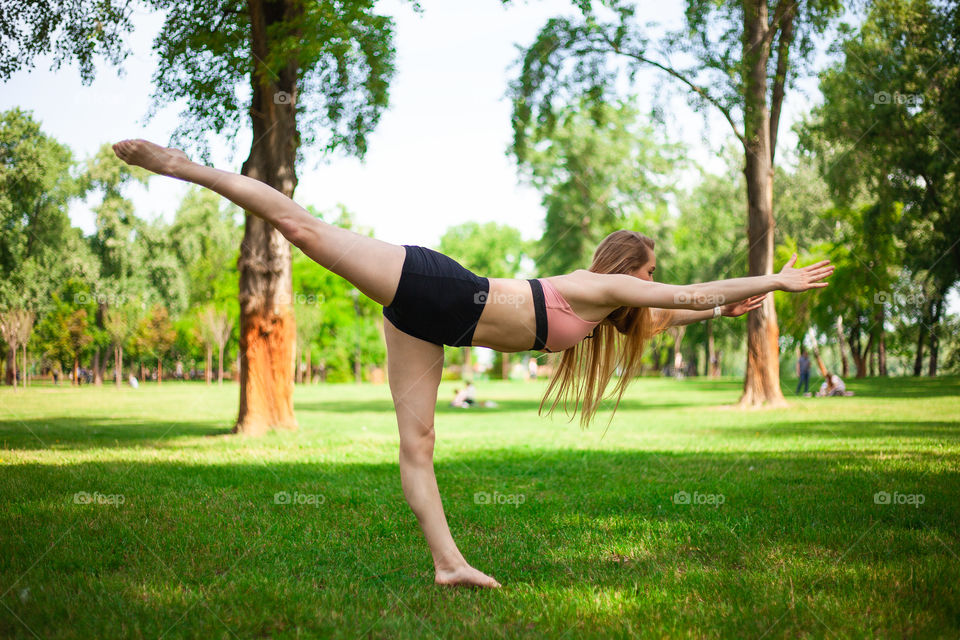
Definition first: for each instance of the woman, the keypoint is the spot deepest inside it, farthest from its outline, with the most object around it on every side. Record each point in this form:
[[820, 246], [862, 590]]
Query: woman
[[429, 300]]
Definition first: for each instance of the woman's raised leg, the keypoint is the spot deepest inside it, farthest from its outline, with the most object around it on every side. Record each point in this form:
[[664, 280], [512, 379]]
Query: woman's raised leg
[[414, 367], [373, 266]]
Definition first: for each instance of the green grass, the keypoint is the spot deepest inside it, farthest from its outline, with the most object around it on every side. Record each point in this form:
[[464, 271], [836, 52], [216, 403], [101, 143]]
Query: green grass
[[598, 548]]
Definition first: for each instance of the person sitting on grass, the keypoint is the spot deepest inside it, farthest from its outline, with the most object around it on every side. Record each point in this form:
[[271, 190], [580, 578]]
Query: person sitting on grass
[[430, 300], [833, 386]]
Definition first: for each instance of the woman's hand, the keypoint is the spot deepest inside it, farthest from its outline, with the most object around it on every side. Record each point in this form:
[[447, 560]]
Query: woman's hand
[[796, 280], [735, 309]]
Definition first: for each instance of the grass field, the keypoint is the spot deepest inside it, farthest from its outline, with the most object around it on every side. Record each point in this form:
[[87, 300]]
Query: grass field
[[686, 519]]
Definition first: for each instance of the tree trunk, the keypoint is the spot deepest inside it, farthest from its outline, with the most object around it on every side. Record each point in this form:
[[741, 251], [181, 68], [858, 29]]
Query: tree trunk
[[159, 370], [936, 308], [76, 371], [918, 361], [97, 377], [505, 366], [844, 364], [23, 370], [309, 368], [710, 369], [208, 369], [467, 371], [762, 381], [117, 365], [11, 373], [267, 326], [882, 354], [220, 364]]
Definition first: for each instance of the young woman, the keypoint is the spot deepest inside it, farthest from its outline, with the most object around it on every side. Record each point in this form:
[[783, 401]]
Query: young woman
[[430, 300]]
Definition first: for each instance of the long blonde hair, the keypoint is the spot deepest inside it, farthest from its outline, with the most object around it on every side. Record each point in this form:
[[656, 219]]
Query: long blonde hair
[[617, 343]]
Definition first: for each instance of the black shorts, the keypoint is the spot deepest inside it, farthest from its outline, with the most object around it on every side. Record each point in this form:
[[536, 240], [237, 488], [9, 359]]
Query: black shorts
[[437, 299]]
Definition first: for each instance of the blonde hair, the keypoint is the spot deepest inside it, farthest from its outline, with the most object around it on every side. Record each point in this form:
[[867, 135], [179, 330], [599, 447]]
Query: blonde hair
[[617, 343]]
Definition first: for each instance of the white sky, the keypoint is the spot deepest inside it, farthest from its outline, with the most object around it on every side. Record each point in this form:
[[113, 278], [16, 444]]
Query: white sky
[[438, 156]]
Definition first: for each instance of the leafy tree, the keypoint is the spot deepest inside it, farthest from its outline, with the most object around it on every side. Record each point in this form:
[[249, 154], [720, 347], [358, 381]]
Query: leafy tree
[[35, 237], [317, 74], [707, 243], [598, 171], [744, 56], [887, 131], [155, 336]]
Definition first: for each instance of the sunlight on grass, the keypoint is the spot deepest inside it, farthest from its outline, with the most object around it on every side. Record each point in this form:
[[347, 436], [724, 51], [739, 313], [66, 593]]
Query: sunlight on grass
[[688, 517]]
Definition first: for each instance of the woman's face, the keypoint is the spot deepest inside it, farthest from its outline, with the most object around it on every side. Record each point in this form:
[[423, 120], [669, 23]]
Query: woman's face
[[646, 271]]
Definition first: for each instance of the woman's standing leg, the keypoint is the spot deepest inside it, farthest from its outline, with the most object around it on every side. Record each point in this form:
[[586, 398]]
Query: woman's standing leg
[[414, 367]]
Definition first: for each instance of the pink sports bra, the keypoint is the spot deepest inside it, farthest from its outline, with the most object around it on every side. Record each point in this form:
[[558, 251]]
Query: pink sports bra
[[564, 327]]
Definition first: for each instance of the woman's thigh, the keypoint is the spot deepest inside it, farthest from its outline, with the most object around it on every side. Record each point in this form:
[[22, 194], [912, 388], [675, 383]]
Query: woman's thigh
[[414, 368], [372, 266]]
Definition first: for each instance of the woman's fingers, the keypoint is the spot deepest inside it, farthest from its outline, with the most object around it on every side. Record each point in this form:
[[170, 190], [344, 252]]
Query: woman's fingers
[[817, 265]]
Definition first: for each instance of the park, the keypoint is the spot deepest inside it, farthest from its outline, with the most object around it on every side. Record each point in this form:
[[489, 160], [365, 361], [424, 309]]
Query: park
[[584, 320]]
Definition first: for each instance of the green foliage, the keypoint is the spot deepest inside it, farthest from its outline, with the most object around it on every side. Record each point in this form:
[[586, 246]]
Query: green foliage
[[35, 189], [65, 30], [339, 323], [889, 125], [341, 54], [598, 171], [490, 249]]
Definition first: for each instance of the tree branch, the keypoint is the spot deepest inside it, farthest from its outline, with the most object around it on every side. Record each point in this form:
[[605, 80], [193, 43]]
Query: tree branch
[[780, 78], [679, 76]]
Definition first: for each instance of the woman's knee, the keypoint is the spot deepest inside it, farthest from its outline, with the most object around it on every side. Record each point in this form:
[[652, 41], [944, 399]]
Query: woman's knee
[[417, 447]]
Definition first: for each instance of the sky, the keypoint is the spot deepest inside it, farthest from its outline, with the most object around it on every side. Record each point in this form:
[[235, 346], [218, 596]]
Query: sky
[[439, 154]]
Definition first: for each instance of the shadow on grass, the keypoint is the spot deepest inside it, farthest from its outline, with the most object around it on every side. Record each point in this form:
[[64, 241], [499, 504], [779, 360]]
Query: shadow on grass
[[590, 522]]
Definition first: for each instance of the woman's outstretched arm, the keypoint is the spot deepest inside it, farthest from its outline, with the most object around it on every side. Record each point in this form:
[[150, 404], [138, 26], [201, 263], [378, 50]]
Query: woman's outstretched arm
[[629, 291], [679, 317]]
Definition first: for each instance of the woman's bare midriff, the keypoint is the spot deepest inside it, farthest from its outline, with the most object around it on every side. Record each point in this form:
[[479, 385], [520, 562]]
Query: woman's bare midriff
[[508, 322]]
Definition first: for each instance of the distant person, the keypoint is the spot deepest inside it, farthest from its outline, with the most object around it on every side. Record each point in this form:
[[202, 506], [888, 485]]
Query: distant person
[[460, 399], [803, 371], [532, 368], [431, 300], [133, 381], [470, 394], [833, 386]]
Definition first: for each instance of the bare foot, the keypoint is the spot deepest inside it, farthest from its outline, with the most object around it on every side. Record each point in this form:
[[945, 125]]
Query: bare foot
[[465, 576], [150, 156]]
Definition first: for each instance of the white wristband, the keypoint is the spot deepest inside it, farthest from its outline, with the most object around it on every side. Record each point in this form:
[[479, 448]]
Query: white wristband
[[717, 311]]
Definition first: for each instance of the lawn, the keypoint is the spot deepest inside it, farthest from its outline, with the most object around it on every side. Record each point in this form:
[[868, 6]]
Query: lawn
[[134, 513]]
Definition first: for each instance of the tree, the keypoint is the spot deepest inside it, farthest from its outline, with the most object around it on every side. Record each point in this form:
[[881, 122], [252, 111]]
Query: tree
[[745, 55], [887, 131], [15, 329], [318, 68], [155, 336], [217, 328], [708, 244], [116, 244], [35, 242], [598, 171]]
